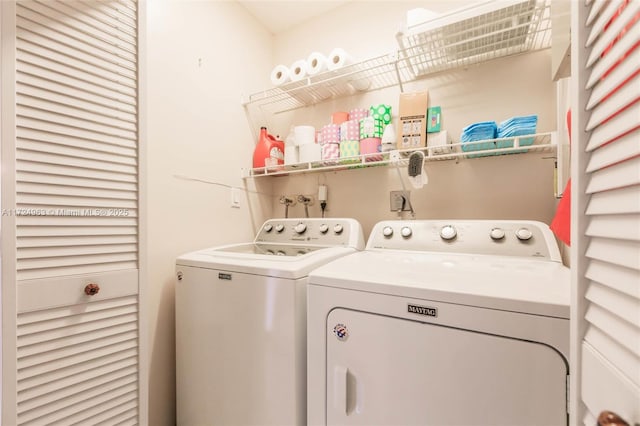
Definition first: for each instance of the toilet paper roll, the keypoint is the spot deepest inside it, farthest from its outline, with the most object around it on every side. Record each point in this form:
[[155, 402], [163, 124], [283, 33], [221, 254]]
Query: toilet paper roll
[[279, 75], [338, 58], [310, 153], [304, 135], [382, 112], [339, 117], [298, 70], [330, 133], [350, 152], [350, 130], [316, 63], [330, 151], [371, 127], [290, 154], [359, 84], [358, 114], [371, 146], [349, 148]]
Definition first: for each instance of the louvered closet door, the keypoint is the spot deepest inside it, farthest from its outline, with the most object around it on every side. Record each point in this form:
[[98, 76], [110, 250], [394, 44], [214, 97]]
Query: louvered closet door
[[607, 208], [76, 212]]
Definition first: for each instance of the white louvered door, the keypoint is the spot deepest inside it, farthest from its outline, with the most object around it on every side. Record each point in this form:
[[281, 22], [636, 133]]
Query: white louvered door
[[70, 200], [606, 210]]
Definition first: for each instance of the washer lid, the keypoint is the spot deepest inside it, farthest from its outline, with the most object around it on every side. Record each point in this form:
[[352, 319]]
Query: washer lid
[[495, 282], [274, 260]]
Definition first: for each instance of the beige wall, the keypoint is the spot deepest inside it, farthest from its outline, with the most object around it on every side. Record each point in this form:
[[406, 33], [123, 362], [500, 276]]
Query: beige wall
[[506, 187], [201, 55]]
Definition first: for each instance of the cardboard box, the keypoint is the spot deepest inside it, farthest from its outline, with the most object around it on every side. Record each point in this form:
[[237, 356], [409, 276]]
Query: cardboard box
[[412, 120]]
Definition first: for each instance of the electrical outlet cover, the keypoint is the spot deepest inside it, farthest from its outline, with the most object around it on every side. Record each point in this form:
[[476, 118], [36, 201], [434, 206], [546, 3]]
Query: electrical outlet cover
[[399, 201]]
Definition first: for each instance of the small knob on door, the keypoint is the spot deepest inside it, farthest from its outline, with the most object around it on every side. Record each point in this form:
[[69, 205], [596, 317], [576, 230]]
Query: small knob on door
[[91, 289], [607, 418]]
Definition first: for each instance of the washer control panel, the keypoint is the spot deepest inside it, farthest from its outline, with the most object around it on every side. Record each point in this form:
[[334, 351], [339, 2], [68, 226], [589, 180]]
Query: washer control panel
[[506, 238], [313, 231]]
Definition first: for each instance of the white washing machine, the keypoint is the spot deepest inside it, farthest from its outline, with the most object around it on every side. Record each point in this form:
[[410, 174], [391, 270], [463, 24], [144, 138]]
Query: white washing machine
[[441, 323], [241, 323]]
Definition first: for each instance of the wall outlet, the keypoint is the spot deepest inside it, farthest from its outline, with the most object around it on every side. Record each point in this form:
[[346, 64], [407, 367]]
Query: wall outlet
[[399, 201]]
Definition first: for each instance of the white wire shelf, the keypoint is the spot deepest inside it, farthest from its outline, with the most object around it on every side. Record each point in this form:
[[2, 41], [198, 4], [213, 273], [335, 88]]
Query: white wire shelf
[[540, 142], [458, 39], [489, 30], [372, 74]]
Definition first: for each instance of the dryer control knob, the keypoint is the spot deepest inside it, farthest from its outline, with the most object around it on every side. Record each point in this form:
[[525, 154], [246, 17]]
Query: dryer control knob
[[324, 228], [268, 227], [448, 232], [279, 227], [496, 234], [406, 231], [387, 231], [300, 228], [338, 229], [524, 234]]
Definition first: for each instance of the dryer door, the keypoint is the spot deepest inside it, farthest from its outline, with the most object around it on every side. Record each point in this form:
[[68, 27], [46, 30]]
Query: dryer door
[[390, 371]]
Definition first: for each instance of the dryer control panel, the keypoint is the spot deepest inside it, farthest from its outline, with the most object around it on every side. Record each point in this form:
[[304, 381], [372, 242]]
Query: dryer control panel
[[344, 232], [491, 237]]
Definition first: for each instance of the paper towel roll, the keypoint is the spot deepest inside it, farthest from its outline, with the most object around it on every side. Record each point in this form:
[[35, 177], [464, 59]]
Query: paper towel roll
[[316, 63], [304, 135], [338, 58], [298, 70], [279, 75], [310, 152]]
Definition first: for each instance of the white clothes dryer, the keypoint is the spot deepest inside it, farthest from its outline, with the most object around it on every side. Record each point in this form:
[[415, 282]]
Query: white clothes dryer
[[241, 322], [441, 323]]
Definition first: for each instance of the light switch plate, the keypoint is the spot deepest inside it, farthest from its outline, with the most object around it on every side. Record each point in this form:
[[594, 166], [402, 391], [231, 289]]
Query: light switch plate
[[235, 198]]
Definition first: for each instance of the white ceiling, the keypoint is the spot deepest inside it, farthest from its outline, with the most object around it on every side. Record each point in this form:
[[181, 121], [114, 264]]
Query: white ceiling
[[278, 16]]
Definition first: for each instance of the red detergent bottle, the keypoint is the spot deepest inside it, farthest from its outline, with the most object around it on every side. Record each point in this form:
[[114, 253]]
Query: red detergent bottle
[[268, 148]]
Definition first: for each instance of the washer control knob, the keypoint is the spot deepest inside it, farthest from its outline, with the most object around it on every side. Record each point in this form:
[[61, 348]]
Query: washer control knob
[[387, 231], [338, 229], [300, 228], [406, 232], [524, 234], [324, 228], [448, 232], [279, 227], [280, 253], [268, 227], [496, 234]]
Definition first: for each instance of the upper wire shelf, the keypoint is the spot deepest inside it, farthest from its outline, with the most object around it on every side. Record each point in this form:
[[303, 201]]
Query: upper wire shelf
[[489, 30], [461, 38], [540, 142], [372, 74]]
